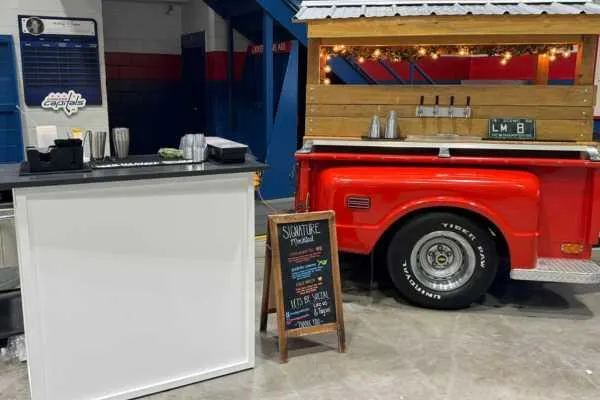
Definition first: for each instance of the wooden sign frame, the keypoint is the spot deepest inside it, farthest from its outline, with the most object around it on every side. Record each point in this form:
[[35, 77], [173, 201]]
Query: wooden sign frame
[[273, 297]]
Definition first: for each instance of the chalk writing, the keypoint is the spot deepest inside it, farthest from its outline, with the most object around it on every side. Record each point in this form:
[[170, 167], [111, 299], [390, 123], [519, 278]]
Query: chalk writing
[[305, 257]]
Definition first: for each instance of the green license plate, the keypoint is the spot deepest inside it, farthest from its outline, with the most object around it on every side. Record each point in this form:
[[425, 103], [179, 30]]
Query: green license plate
[[511, 129]]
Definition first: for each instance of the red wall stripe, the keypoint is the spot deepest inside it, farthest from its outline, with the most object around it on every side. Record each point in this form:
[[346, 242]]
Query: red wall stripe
[[133, 66], [167, 67], [216, 65]]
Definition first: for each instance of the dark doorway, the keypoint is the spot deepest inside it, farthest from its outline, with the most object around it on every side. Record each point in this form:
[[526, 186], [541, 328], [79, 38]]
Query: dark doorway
[[193, 61]]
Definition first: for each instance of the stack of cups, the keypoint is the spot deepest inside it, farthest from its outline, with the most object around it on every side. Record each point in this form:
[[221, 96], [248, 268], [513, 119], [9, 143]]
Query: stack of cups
[[200, 148], [194, 147], [97, 144], [120, 139]]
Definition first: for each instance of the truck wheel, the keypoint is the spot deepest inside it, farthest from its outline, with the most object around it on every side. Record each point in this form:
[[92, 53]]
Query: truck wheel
[[442, 260]]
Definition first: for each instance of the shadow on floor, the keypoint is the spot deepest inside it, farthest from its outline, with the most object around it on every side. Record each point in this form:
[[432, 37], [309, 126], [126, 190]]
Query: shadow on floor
[[506, 297]]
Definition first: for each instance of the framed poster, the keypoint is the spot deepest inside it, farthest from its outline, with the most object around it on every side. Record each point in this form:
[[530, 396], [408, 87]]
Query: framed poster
[[60, 62]]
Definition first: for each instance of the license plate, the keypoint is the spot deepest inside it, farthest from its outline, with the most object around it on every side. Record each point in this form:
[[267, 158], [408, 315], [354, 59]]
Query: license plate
[[511, 129]]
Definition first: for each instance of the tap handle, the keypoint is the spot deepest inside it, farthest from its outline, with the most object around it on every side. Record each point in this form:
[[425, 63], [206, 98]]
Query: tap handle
[[452, 100], [422, 101], [468, 101]]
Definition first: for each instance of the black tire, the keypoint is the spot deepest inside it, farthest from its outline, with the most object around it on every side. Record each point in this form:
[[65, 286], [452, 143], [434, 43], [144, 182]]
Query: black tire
[[422, 248]]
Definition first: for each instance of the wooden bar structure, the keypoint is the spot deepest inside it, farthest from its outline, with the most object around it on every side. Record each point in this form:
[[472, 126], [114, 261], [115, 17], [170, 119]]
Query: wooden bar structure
[[562, 113]]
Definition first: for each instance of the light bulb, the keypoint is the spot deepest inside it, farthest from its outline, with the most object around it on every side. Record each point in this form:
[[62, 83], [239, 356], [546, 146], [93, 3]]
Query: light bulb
[[336, 48], [462, 51], [553, 50], [327, 81], [434, 56], [508, 55], [377, 53], [327, 68], [567, 54], [361, 59], [328, 57], [397, 59], [504, 61], [552, 57], [342, 47], [422, 51]]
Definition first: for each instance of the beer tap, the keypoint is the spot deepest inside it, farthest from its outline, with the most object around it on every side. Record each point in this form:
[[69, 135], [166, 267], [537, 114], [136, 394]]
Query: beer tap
[[436, 108], [420, 107], [451, 108], [468, 108]]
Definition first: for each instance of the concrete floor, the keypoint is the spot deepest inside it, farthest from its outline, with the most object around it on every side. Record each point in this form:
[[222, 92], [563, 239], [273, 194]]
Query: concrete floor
[[530, 341]]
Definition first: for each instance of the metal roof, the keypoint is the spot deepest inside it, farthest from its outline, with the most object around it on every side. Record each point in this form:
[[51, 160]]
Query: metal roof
[[337, 9]]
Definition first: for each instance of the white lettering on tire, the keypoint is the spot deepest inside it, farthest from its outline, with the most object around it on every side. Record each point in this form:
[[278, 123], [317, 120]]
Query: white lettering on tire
[[460, 229], [472, 238], [415, 285]]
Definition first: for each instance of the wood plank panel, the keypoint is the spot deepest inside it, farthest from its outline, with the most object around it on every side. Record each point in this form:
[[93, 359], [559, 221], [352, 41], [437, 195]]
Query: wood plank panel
[[556, 130], [488, 95], [481, 112], [459, 25], [313, 67], [586, 61], [453, 40]]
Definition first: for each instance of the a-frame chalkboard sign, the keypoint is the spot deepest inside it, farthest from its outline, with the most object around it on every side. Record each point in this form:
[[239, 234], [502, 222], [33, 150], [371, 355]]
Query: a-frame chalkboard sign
[[302, 277]]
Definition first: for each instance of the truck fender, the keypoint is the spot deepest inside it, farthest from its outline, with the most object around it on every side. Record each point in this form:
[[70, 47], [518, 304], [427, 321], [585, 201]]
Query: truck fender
[[447, 203]]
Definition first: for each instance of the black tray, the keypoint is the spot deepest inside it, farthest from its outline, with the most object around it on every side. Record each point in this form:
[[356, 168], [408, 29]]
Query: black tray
[[26, 171]]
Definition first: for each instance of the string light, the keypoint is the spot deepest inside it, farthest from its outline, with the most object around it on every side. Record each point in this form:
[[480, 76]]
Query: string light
[[327, 81], [327, 69], [411, 53]]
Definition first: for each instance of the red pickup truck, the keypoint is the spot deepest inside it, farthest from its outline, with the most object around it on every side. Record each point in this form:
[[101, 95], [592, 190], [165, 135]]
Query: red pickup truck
[[447, 215]]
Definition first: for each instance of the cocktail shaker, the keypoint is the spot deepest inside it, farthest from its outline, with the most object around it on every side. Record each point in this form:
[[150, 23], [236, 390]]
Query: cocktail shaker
[[391, 131], [375, 130], [120, 140]]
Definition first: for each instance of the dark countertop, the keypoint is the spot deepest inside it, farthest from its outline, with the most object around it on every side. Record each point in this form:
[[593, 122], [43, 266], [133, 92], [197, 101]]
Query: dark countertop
[[10, 179]]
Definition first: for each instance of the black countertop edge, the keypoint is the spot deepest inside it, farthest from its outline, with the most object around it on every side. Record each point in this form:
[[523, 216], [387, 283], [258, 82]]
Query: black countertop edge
[[10, 178]]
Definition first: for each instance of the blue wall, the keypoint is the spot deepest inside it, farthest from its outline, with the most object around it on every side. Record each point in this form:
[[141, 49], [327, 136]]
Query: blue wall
[[11, 135]]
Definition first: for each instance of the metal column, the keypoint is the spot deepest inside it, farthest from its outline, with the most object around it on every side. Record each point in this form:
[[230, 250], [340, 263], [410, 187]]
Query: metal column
[[268, 95]]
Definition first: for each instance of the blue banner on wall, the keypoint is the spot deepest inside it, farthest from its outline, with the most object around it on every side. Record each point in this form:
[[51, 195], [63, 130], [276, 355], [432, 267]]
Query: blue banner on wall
[[59, 55]]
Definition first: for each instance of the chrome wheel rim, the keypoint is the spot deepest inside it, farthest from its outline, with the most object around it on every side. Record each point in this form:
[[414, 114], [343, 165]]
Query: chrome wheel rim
[[443, 261]]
